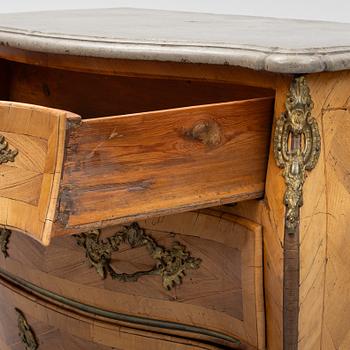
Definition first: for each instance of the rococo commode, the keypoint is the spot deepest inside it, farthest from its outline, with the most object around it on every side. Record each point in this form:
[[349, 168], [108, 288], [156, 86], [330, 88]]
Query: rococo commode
[[173, 181]]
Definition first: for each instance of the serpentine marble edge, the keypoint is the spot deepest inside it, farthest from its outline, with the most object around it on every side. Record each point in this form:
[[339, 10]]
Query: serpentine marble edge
[[277, 45]]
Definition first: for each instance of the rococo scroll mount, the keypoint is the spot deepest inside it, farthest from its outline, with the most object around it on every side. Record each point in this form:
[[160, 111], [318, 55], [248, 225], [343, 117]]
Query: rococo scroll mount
[[26, 334], [4, 240], [296, 147], [170, 264], [6, 154]]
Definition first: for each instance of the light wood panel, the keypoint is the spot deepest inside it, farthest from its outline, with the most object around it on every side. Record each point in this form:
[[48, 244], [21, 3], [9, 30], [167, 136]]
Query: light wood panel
[[29, 185], [128, 167], [224, 295], [325, 286], [313, 236]]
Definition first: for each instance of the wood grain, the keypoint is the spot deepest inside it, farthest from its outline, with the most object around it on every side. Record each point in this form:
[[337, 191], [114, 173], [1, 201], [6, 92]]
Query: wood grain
[[224, 295], [270, 213], [142, 68], [97, 95], [128, 167], [69, 331], [325, 286], [192, 144], [28, 186]]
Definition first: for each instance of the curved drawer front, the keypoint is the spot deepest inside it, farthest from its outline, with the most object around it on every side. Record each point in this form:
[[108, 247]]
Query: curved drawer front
[[31, 323], [31, 155], [70, 174], [198, 274]]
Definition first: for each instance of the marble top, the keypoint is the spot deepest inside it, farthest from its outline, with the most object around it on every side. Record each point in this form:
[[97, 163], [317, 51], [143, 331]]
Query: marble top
[[277, 45]]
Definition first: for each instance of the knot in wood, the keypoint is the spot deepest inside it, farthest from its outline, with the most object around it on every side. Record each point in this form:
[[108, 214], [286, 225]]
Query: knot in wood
[[206, 131]]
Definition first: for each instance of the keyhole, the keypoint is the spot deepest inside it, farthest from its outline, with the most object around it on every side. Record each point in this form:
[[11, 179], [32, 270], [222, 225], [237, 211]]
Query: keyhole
[[295, 142]]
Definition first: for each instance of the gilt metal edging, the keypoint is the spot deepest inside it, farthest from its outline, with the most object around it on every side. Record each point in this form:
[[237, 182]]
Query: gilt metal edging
[[170, 264], [95, 311], [26, 333], [6, 154], [297, 147]]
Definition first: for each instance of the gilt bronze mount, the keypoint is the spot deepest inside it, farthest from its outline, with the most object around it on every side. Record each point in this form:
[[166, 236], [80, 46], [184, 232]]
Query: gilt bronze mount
[[4, 240], [170, 264], [26, 333], [6, 154], [296, 147]]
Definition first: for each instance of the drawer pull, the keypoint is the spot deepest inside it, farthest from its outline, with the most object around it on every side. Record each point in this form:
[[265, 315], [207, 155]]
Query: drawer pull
[[170, 264], [4, 240], [6, 154], [25, 332]]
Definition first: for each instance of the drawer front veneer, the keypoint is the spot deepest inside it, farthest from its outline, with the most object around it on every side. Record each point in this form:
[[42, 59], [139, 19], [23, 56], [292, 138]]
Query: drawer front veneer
[[215, 292], [29, 181], [31, 323]]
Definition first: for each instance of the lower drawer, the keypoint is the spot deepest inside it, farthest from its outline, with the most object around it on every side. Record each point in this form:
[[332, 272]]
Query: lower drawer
[[30, 323], [197, 275]]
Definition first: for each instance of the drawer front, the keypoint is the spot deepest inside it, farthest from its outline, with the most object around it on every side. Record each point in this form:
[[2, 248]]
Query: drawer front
[[31, 155], [31, 323], [112, 170], [198, 274]]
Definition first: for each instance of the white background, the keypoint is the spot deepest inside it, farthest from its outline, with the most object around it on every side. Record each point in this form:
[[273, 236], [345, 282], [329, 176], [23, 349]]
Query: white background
[[332, 10]]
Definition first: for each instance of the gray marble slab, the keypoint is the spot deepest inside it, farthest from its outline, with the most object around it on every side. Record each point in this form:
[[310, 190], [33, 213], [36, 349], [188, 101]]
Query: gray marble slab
[[277, 45]]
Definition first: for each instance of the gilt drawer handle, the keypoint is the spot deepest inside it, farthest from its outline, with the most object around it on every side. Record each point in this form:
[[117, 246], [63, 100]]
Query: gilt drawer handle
[[4, 240], [25, 332], [170, 264], [6, 154]]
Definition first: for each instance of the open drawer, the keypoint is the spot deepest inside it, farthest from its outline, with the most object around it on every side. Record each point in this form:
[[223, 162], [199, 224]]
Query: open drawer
[[62, 174]]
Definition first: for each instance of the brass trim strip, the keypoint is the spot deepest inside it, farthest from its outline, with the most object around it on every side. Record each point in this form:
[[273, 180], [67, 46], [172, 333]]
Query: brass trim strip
[[32, 288]]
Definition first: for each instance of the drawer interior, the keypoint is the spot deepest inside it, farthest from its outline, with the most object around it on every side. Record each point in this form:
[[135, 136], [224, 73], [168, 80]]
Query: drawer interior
[[96, 95]]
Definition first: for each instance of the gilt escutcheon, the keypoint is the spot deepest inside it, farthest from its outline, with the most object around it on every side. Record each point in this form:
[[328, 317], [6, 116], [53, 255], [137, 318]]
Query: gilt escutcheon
[[170, 264], [296, 147]]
